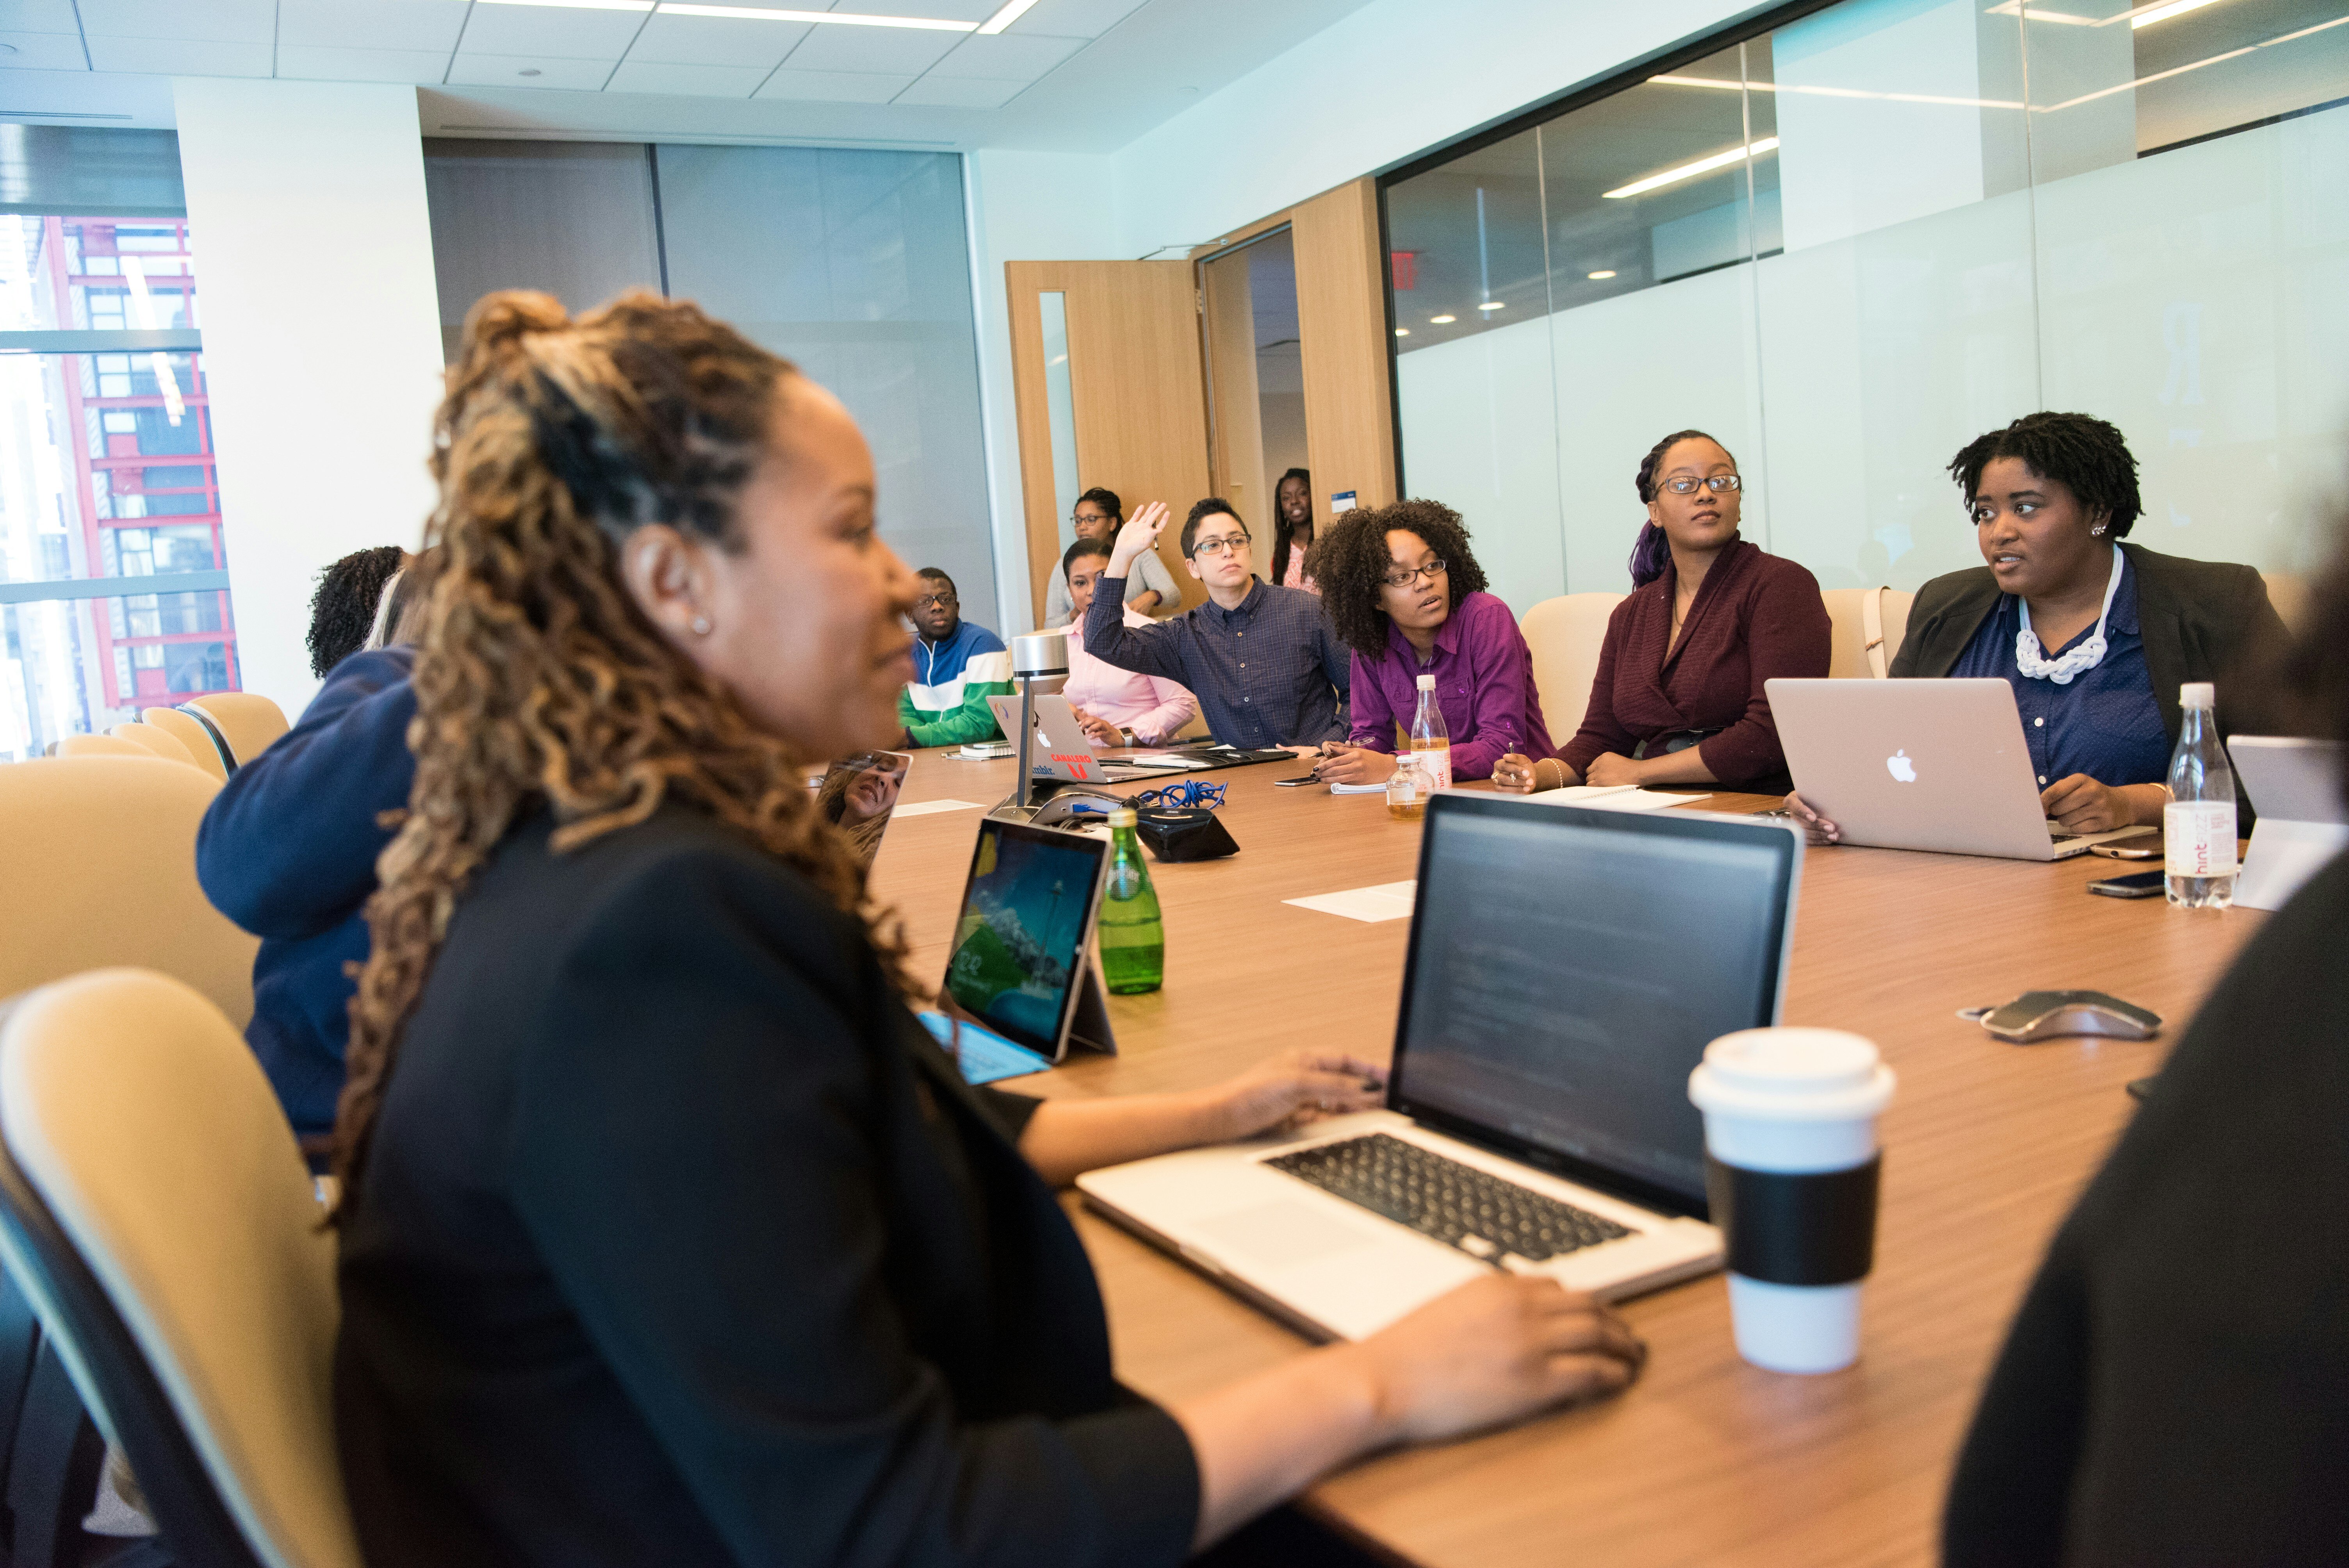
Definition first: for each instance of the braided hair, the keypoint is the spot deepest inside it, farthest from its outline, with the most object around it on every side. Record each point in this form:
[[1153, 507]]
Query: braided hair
[[539, 682], [1350, 561], [342, 610], [1653, 552], [2083, 454]]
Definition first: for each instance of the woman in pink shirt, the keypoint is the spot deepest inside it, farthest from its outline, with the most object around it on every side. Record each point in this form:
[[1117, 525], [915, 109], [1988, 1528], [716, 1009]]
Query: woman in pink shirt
[[1110, 703]]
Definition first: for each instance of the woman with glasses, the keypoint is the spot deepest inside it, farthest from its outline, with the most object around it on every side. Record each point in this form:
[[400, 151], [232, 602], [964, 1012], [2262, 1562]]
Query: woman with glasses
[[1678, 695], [1098, 514], [1403, 591]]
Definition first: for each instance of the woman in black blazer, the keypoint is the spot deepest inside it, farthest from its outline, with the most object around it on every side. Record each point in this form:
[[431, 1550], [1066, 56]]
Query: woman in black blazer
[[668, 1235]]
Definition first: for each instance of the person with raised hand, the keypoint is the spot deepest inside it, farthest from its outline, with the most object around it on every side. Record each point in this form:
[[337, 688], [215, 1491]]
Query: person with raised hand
[[1098, 515], [1115, 706]]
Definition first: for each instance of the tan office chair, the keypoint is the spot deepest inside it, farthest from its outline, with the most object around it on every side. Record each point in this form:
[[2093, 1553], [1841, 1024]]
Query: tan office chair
[[98, 746], [155, 1210], [2289, 594], [203, 749], [98, 858], [1870, 624], [1564, 634], [156, 742], [247, 720]]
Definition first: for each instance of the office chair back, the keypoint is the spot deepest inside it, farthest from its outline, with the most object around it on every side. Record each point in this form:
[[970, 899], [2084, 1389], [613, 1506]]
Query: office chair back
[[2289, 594], [155, 1209], [100, 864], [157, 742], [203, 748], [1564, 634], [1870, 624], [247, 720], [98, 746]]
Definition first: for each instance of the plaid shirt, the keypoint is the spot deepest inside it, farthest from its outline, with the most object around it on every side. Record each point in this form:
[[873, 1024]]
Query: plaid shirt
[[1288, 687]]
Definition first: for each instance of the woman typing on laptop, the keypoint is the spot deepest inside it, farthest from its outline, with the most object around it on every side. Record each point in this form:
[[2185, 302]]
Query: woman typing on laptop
[[2095, 636], [1678, 695]]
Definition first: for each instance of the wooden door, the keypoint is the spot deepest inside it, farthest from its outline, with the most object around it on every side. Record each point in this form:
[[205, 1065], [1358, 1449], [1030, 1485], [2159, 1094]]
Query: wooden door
[[1138, 395]]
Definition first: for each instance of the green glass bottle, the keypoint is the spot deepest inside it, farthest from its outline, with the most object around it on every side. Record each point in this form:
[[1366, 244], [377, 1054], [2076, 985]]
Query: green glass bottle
[[1133, 937]]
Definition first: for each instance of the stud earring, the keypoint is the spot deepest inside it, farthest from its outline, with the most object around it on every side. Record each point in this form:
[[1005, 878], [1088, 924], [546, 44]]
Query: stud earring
[[2097, 532], [701, 623]]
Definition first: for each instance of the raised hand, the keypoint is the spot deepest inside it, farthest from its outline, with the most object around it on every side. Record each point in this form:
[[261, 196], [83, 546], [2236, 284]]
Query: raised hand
[[1140, 533]]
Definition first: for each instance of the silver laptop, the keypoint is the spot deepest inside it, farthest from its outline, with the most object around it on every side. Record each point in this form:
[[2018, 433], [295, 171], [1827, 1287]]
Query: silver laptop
[[1566, 969], [2296, 786], [1921, 765], [1064, 751]]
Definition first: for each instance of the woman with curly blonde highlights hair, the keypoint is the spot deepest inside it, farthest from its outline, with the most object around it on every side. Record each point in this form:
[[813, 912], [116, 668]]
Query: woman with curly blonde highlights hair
[[667, 1233]]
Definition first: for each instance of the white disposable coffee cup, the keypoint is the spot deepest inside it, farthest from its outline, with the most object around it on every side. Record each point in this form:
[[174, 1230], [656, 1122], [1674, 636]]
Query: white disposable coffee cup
[[1792, 1103]]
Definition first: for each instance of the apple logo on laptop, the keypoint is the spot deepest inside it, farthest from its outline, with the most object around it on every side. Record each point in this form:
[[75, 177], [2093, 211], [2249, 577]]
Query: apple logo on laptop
[[1900, 767]]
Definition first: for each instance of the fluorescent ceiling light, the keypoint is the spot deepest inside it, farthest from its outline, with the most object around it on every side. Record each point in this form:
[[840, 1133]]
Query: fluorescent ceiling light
[[1403, 332], [581, 4], [1835, 92], [1012, 11], [2041, 14], [1595, 277], [1441, 320], [1701, 166], [2147, 18], [760, 13]]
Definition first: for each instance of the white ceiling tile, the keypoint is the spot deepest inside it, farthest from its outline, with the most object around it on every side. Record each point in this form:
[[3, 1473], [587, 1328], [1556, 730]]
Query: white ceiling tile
[[834, 86], [44, 52], [566, 34], [219, 21], [1074, 18], [507, 71], [371, 24], [39, 17], [715, 41], [324, 63], [874, 51], [1007, 57], [686, 81], [179, 57], [961, 92]]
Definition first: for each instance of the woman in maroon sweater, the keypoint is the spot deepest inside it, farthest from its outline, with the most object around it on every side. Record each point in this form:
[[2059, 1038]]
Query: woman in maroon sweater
[[1679, 697]]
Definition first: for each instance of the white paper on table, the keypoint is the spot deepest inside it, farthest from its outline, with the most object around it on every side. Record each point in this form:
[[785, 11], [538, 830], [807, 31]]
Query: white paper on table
[[1613, 797], [924, 808], [1388, 901]]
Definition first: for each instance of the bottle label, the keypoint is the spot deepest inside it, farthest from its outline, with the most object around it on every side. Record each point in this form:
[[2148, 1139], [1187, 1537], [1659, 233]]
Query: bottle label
[[2199, 838], [1434, 766]]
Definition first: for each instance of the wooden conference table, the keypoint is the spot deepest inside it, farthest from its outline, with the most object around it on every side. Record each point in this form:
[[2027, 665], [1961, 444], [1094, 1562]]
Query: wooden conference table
[[1706, 1459]]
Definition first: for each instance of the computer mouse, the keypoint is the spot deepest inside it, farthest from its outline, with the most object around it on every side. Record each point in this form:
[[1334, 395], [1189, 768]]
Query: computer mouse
[[2037, 1016]]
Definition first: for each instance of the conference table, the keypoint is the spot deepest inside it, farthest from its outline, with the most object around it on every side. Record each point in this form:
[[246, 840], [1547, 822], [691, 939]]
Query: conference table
[[1705, 1460]]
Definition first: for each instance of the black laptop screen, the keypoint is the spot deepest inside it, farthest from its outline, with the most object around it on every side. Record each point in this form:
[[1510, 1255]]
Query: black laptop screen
[[1568, 968], [1020, 941]]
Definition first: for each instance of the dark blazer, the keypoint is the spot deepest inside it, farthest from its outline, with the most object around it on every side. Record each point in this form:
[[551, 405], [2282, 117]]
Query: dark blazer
[[1755, 617], [2201, 621], [681, 1242], [2175, 1390]]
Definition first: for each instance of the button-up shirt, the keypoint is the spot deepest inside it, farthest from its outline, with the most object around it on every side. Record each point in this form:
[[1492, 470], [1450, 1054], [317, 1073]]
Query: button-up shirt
[[1483, 686], [2104, 723], [1268, 673]]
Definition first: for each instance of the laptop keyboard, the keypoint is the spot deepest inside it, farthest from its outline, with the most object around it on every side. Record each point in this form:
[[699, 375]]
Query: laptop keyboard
[[1459, 1205]]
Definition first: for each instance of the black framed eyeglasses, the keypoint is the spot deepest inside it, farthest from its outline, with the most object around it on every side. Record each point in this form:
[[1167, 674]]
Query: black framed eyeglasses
[[1409, 575], [1717, 483], [942, 601], [1225, 545]]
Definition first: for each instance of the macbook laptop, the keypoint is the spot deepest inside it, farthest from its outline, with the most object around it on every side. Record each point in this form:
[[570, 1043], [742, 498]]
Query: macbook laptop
[[1566, 968], [1921, 765], [856, 795], [1064, 751], [1021, 961]]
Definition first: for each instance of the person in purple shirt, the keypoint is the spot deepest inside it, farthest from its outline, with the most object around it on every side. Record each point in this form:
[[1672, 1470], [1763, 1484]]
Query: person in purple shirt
[[1403, 591]]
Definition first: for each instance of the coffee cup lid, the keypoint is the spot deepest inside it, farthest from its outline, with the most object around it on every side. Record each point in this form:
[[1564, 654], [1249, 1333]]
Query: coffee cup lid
[[1792, 1075]]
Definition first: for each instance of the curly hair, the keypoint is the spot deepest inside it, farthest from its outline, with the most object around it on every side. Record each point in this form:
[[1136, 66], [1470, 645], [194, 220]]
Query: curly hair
[[342, 610], [2083, 454], [1350, 561], [539, 683]]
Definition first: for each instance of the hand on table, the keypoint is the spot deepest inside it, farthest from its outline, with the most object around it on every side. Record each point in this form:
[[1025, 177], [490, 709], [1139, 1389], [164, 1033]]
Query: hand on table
[[1139, 535], [1517, 772], [1300, 1086], [2083, 806], [1821, 830], [1610, 770], [1100, 731], [1343, 764]]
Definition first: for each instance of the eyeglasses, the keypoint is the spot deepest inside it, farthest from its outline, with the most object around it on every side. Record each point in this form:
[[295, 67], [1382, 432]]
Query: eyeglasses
[[1684, 485], [1405, 578], [1096, 517], [1229, 545], [943, 601]]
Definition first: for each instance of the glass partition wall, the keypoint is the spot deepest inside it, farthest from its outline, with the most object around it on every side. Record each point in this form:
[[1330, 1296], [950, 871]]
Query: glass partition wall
[[1848, 242]]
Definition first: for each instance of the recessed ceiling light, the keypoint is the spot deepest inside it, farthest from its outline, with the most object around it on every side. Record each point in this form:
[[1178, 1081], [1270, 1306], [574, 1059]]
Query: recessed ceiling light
[[2147, 18], [1701, 166], [1403, 332], [1601, 276], [1492, 305], [1012, 11], [1441, 320], [763, 13]]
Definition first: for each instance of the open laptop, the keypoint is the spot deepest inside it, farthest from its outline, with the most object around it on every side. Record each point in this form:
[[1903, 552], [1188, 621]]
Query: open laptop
[[1566, 969], [1021, 961], [857, 794], [1064, 751], [1935, 765], [2294, 785]]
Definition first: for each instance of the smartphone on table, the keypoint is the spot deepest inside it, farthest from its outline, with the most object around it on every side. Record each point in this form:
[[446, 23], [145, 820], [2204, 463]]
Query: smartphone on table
[[2144, 884]]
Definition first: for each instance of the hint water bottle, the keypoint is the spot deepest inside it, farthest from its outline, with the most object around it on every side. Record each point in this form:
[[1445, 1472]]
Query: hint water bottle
[[1133, 937], [2198, 826], [1430, 738]]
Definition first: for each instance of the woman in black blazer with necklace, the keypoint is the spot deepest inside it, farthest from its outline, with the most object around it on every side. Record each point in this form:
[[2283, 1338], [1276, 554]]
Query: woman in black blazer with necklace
[[668, 1235]]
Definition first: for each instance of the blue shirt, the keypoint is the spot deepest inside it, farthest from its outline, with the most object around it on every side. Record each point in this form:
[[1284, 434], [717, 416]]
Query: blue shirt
[[2105, 724], [1269, 673]]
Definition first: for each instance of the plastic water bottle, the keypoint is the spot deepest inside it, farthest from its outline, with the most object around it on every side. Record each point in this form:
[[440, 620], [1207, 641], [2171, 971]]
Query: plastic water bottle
[[1133, 936], [2198, 826], [1429, 738]]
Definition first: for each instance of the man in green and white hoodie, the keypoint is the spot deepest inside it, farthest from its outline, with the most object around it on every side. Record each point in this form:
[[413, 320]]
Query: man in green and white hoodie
[[960, 664]]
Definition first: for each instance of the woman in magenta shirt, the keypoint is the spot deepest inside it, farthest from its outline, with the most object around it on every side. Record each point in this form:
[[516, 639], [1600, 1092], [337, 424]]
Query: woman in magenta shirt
[[1117, 707], [1402, 589]]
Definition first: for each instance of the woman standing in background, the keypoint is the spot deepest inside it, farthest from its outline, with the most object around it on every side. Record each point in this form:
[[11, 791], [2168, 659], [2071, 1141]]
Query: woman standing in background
[[1292, 530]]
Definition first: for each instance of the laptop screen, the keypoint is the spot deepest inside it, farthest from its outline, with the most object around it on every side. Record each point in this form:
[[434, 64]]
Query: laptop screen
[[857, 793], [1019, 944], [1568, 968]]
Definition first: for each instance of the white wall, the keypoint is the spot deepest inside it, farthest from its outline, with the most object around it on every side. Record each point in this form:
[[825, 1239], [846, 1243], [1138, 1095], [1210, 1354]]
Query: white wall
[[322, 338]]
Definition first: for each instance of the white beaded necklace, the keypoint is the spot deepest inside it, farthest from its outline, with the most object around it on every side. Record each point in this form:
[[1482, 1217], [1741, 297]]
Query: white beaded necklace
[[2033, 660]]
